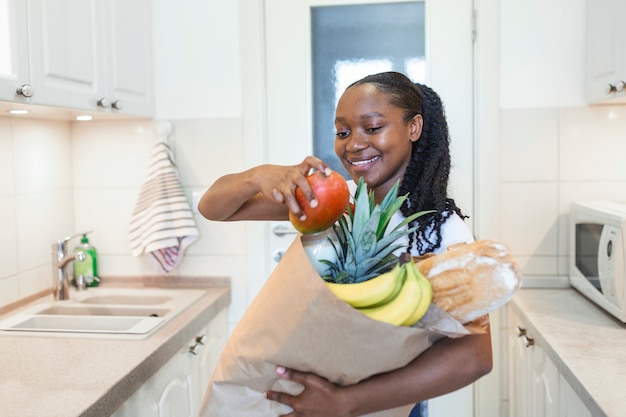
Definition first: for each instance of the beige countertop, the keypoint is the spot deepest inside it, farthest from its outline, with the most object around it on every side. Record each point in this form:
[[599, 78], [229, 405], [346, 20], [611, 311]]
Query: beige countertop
[[585, 343], [47, 375]]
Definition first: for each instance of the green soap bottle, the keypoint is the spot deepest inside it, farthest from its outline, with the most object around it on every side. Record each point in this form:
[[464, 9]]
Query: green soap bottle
[[86, 271]]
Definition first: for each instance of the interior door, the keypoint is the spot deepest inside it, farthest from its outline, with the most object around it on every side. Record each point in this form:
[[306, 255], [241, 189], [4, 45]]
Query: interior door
[[289, 111]]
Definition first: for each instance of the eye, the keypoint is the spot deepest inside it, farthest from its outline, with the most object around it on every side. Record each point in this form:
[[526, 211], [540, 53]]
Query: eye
[[373, 129], [343, 134]]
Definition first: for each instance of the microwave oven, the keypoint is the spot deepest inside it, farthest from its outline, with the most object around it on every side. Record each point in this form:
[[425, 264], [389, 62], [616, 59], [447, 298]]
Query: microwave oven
[[597, 253]]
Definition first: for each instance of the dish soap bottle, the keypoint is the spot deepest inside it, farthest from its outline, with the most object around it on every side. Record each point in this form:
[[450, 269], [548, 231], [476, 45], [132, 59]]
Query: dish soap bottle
[[86, 271]]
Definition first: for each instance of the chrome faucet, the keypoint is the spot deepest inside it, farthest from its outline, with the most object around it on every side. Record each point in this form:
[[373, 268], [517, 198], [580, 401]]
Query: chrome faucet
[[60, 260]]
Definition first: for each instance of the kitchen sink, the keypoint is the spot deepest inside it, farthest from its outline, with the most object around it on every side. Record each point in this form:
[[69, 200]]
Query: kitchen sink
[[130, 311], [86, 324], [126, 299], [87, 310]]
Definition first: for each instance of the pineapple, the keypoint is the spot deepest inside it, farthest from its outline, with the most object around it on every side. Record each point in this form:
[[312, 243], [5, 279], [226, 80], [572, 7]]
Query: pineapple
[[364, 249]]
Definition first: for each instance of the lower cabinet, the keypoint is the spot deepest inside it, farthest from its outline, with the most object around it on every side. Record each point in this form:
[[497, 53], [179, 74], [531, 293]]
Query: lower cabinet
[[177, 389], [536, 387]]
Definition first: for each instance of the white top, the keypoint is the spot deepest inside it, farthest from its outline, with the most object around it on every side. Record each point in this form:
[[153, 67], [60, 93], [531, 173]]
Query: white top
[[453, 230]]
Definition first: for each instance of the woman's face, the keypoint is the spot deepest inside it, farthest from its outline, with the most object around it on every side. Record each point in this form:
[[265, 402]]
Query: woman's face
[[373, 141]]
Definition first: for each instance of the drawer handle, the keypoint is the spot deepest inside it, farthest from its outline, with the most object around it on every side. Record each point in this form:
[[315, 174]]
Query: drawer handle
[[523, 334], [200, 340]]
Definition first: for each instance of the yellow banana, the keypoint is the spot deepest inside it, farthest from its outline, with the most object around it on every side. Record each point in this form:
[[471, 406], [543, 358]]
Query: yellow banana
[[427, 295], [370, 292], [398, 310], [393, 294]]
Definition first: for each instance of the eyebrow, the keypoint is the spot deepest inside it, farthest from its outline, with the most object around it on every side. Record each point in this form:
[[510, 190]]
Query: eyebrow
[[363, 116]]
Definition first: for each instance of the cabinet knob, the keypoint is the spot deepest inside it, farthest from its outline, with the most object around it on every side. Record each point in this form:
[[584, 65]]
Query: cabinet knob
[[620, 86], [528, 341], [117, 105], [610, 89], [194, 349], [25, 90], [523, 334], [104, 103], [200, 340]]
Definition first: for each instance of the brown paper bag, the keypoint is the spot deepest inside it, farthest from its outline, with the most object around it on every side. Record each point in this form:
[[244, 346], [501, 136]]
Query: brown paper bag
[[295, 321]]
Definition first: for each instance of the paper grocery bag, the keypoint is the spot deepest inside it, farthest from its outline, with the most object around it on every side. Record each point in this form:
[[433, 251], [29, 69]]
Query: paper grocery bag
[[295, 321]]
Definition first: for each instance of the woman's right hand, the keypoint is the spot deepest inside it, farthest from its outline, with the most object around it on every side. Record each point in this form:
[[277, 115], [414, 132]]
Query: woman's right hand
[[279, 183], [265, 192]]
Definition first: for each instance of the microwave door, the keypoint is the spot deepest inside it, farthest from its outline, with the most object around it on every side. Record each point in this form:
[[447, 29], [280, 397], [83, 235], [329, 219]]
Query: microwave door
[[610, 261]]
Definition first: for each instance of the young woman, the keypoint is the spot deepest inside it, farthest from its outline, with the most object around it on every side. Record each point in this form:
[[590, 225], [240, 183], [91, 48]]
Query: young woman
[[388, 129]]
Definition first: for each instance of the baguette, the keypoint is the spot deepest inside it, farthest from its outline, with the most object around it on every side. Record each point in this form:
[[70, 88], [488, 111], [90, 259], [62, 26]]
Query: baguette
[[471, 280]]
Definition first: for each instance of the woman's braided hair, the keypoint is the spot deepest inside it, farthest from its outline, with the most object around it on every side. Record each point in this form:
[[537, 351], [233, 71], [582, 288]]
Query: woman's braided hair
[[426, 176]]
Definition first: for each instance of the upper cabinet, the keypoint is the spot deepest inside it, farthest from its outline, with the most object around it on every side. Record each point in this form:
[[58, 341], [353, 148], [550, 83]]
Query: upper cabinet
[[606, 51], [13, 49], [89, 55]]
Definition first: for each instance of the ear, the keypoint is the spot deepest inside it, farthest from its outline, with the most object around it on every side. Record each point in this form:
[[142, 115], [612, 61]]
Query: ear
[[415, 127]]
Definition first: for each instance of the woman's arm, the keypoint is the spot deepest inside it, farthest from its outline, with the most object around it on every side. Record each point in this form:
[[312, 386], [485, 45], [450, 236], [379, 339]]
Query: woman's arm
[[448, 365], [265, 192]]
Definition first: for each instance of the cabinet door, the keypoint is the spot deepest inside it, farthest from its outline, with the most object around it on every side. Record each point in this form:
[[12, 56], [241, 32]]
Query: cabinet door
[[570, 403], [550, 382], [65, 39], [128, 56], [168, 393], [13, 50], [217, 334], [605, 39], [520, 369]]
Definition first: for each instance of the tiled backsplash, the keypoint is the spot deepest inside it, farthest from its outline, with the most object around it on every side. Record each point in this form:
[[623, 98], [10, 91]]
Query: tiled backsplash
[[550, 158], [60, 178]]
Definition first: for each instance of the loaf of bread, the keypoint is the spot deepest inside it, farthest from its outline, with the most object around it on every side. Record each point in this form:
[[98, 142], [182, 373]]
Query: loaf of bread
[[471, 280]]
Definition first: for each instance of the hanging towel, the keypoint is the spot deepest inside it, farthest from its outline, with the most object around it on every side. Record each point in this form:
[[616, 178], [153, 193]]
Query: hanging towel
[[162, 225]]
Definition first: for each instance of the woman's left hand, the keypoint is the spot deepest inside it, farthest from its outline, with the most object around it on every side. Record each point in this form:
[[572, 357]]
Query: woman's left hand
[[320, 397]]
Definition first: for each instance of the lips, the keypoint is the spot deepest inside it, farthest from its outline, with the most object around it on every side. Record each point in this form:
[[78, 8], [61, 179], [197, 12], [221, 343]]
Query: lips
[[364, 162]]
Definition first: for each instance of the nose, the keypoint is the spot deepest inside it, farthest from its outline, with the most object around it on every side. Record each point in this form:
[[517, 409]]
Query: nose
[[356, 142]]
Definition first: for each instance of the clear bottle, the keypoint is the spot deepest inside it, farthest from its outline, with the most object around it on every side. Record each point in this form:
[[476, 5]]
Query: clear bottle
[[86, 271]]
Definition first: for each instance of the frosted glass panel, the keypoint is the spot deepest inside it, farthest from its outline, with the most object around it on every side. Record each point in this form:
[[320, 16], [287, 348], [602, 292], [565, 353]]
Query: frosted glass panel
[[6, 67], [350, 42]]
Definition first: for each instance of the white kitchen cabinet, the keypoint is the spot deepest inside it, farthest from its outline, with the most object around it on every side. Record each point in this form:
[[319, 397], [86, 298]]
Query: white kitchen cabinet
[[571, 404], [13, 50], [177, 389], [537, 389], [606, 51], [89, 55]]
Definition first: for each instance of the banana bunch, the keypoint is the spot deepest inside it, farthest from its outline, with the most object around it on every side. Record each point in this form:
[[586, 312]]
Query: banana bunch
[[400, 297]]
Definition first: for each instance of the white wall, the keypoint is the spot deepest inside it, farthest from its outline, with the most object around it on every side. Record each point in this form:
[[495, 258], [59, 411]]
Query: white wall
[[554, 149], [197, 59], [36, 206]]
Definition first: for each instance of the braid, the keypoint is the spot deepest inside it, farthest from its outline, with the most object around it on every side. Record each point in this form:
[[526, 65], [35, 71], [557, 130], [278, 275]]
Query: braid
[[426, 177]]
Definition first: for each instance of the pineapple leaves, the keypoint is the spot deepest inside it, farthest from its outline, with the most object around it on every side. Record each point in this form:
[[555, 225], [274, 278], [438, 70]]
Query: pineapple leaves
[[364, 247]]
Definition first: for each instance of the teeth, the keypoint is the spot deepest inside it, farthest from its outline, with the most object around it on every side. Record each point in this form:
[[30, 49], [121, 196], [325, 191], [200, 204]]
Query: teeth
[[358, 163]]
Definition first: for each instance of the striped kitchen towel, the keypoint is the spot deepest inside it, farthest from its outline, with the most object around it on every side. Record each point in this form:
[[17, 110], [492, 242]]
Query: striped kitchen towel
[[162, 225]]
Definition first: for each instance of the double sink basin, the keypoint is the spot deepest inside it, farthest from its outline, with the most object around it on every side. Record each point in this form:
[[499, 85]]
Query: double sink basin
[[111, 311]]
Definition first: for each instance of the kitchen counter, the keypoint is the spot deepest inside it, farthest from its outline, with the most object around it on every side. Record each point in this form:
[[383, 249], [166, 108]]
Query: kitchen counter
[[585, 343], [48, 375]]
